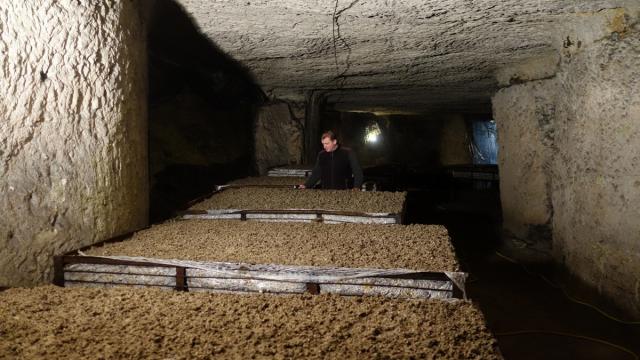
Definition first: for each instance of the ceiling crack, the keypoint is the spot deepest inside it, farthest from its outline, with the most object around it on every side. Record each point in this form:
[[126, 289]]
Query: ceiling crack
[[340, 76]]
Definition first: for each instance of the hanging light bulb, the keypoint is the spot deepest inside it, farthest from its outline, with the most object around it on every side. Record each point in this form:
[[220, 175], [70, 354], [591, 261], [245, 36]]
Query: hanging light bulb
[[371, 137], [372, 133]]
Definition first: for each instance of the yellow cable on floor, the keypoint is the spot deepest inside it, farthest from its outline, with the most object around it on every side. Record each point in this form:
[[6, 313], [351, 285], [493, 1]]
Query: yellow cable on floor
[[602, 312], [558, 333]]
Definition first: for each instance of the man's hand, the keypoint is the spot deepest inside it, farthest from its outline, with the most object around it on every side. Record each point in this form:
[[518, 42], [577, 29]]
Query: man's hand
[[301, 186]]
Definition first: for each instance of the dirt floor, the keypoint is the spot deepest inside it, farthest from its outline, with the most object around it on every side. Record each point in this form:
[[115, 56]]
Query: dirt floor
[[532, 317], [418, 247], [344, 200], [61, 323], [269, 180]]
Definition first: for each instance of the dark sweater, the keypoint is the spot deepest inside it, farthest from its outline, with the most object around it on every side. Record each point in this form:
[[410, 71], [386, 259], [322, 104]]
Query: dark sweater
[[334, 170]]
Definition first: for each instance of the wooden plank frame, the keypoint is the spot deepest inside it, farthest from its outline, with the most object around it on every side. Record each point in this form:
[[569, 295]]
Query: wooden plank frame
[[242, 214], [181, 278], [61, 261]]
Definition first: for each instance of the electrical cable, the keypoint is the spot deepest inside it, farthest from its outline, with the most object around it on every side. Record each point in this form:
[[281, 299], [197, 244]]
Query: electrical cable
[[558, 333], [564, 292]]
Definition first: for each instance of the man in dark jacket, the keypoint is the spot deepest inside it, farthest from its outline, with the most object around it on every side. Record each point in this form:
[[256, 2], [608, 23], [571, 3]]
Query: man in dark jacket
[[334, 166]]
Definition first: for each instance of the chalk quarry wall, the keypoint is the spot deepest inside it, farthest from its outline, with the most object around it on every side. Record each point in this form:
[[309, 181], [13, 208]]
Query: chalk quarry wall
[[73, 143], [570, 156]]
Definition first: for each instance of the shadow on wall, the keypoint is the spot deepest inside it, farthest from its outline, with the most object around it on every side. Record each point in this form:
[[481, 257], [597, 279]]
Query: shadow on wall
[[201, 112]]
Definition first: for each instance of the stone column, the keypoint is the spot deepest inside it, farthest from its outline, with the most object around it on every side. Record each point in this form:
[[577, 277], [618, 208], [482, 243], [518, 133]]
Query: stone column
[[73, 130], [312, 126], [524, 115], [596, 167], [278, 137], [454, 141]]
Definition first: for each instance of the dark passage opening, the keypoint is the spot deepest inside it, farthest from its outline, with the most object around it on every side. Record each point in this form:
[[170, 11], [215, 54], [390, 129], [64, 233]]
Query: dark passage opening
[[201, 112]]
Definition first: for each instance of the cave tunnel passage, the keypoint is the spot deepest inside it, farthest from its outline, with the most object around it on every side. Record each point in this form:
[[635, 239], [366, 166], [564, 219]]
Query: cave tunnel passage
[[203, 106], [116, 108]]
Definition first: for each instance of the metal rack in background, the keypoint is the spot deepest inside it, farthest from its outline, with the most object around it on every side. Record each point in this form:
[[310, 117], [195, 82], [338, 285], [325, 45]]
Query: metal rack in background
[[290, 171]]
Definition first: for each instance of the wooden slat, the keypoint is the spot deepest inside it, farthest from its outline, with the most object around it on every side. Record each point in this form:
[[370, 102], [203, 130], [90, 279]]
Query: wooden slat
[[181, 278]]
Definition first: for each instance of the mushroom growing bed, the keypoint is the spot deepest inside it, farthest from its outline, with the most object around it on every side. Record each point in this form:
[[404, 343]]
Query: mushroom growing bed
[[260, 198], [417, 247], [331, 206], [269, 180], [58, 323], [351, 259]]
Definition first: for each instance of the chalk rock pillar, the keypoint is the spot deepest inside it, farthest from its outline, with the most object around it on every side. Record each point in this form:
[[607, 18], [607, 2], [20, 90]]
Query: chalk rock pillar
[[278, 137], [73, 143]]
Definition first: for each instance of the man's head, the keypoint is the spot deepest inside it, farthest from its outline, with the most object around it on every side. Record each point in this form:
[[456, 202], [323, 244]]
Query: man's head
[[329, 141]]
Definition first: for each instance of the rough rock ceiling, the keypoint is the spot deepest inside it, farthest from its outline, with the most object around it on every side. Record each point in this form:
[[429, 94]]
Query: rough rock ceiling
[[385, 55]]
